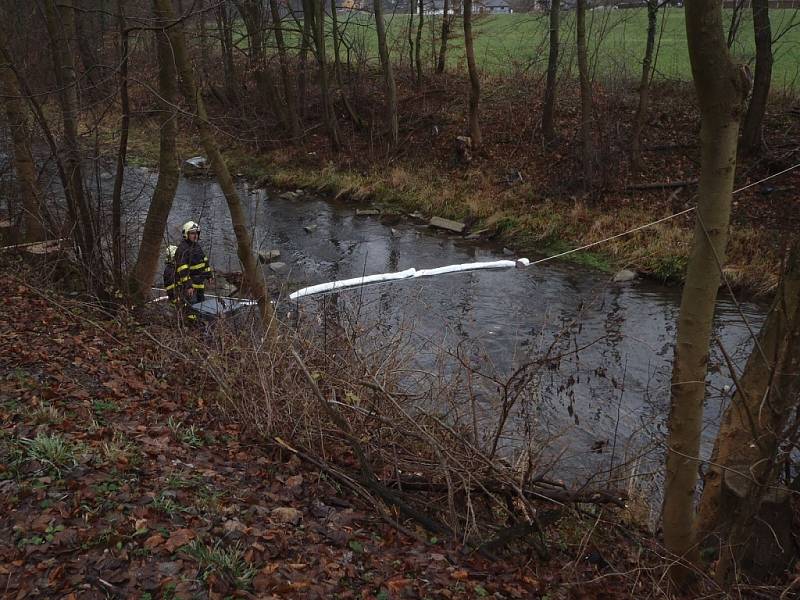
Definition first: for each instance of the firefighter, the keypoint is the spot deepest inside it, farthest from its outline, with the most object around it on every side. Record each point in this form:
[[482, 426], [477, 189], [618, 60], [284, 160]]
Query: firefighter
[[192, 268], [170, 275]]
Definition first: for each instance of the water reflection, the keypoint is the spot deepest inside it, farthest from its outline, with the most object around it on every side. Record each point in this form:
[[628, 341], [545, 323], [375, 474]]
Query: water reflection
[[613, 391]]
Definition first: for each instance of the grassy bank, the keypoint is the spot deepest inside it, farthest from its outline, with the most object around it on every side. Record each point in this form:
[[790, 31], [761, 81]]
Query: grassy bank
[[521, 216], [544, 226]]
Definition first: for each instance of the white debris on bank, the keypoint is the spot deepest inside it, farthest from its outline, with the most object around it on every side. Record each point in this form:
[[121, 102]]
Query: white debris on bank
[[412, 273]]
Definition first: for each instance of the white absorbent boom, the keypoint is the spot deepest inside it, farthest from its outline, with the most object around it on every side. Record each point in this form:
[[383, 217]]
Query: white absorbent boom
[[412, 273]]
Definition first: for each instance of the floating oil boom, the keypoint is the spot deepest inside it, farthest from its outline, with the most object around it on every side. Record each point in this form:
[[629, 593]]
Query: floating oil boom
[[335, 286]]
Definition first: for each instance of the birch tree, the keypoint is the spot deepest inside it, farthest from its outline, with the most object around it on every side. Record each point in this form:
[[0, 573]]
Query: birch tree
[[720, 94]]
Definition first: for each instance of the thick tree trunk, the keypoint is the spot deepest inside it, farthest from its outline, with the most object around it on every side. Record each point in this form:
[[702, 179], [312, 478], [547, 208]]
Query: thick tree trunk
[[122, 151], [548, 110], [418, 47], [24, 167], [587, 147], [388, 75], [751, 428], [288, 85], [474, 79], [644, 86], [720, 93], [253, 275], [144, 271], [58, 21], [752, 134], [440, 66]]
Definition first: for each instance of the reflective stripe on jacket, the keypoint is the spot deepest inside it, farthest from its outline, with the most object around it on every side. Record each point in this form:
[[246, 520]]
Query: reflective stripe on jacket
[[191, 266], [170, 279]]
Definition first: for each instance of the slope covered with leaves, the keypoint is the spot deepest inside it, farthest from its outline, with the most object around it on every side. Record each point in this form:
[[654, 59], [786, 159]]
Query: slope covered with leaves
[[117, 479]]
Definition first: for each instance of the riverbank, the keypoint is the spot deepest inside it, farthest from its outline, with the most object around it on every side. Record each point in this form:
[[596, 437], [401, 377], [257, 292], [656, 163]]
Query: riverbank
[[527, 196]]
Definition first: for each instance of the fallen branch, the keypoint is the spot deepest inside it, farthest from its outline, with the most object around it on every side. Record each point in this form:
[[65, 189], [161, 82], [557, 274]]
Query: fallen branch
[[662, 185], [47, 245], [561, 496], [350, 484], [368, 478]]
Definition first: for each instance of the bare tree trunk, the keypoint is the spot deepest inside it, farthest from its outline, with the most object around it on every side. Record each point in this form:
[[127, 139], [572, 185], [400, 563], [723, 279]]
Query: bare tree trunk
[[750, 432], [86, 37], [337, 68], [586, 96], [440, 66], [474, 79], [305, 40], [752, 134], [644, 86], [58, 21], [147, 262], [205, 55], [318, 29], [288, 86], [253, 14], [548, 110], [388, 75], [116, 200], [24, 167], [409, 31], [253, 276], [418, 47], [720, 93], [44, 126], [736, 21], [229, 66]]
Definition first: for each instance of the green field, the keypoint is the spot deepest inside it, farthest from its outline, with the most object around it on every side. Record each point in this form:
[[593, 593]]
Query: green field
[[518, 42]]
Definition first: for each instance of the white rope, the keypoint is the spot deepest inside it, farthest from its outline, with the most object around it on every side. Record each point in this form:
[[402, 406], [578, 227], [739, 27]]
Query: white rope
[[613, 237], [646, 225]]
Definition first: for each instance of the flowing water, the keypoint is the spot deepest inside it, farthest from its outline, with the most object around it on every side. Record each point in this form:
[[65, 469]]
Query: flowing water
[[612, 393], [601, 403]]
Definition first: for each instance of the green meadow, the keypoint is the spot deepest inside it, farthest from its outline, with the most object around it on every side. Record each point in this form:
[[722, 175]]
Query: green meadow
[[507, 44]]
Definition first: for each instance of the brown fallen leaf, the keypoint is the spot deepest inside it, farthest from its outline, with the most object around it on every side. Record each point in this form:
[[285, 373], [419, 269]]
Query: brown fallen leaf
[[286, 514], [179, 538], [154, 541]]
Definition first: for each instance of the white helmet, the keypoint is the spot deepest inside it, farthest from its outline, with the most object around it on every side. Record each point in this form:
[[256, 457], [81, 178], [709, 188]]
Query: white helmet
[[188, 227], [171, 250]]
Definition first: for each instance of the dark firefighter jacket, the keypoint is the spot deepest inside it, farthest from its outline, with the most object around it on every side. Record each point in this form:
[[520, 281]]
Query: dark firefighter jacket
[[170, 279], [192, 268]]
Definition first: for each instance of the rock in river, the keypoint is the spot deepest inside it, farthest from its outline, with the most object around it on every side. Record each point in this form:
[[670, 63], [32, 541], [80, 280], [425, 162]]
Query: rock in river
[[625, 275]]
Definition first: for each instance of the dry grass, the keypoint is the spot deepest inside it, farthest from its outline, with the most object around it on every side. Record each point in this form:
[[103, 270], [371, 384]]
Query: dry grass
[[523, 219]]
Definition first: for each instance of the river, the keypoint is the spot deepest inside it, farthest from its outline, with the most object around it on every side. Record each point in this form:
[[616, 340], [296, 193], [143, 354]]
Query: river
[[611, 397]]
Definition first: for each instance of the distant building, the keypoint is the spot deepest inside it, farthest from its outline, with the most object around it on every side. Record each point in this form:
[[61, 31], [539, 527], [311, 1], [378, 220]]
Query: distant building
[[489, 7], [492, 7]]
